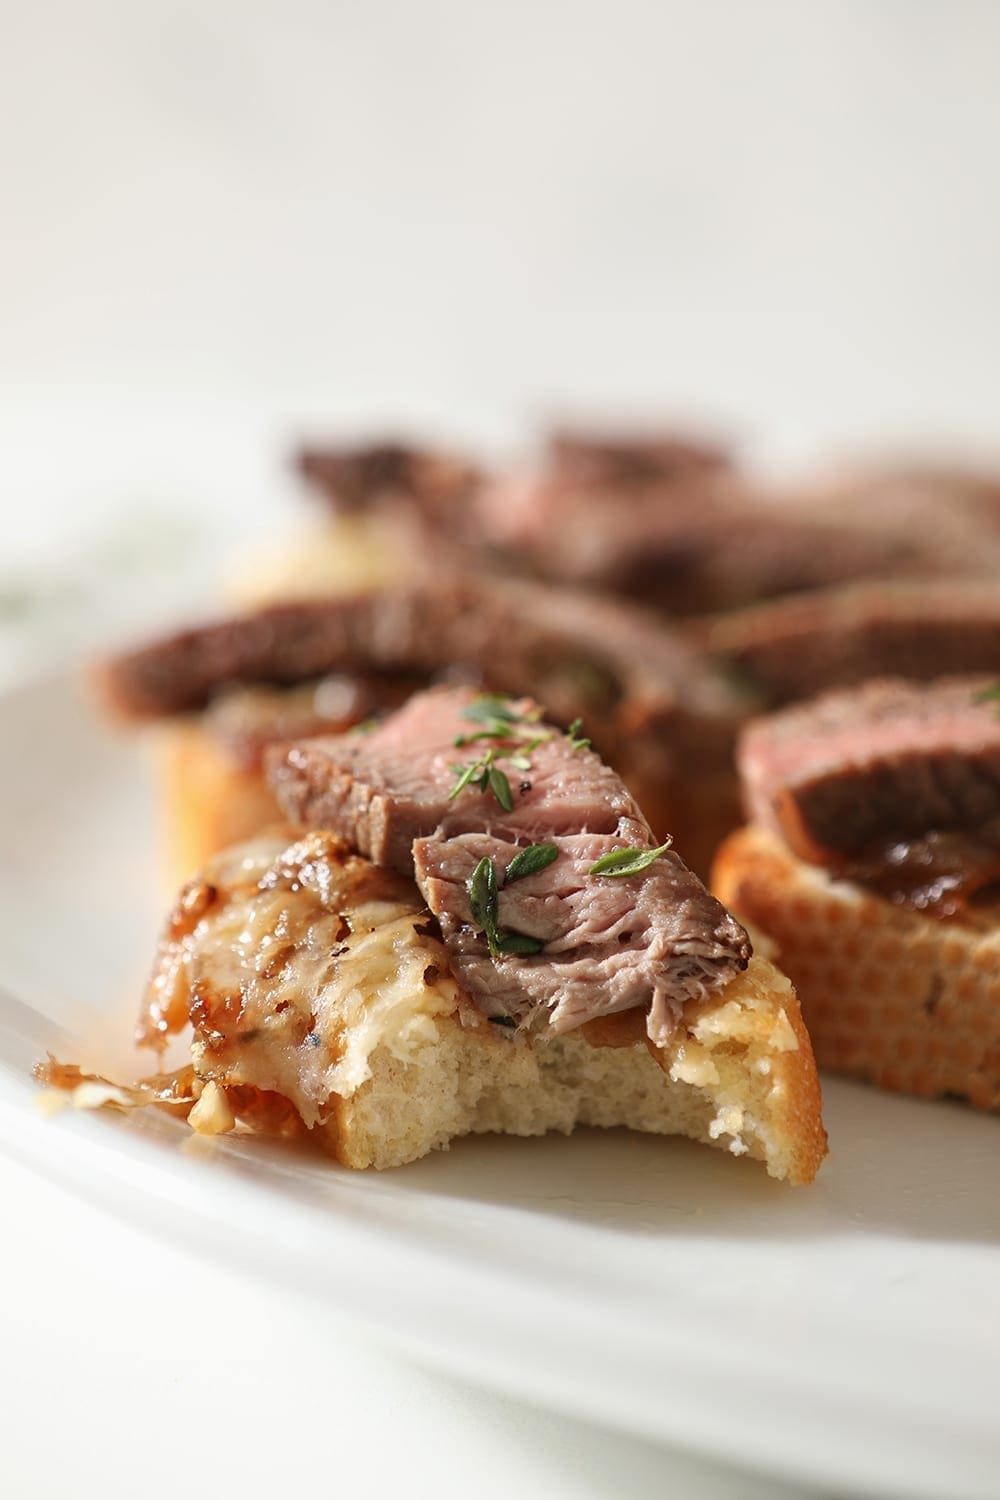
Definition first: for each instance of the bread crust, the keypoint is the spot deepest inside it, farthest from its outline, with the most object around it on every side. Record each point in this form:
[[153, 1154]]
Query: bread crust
[[903, 1000]]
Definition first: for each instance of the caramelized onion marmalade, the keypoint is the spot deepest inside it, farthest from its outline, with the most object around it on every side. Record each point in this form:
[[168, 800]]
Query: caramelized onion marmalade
[[944, 874]]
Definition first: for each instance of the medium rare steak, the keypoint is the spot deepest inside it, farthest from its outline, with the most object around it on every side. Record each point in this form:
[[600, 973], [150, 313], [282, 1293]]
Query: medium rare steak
[[652, 941], [382, 790], [891, 760], [795, 647], [656, 709], [561, 941]]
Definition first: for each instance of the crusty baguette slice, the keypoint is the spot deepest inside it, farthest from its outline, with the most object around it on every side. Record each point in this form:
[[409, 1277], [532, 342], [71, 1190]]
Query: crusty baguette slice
[[315, 980], [902, 999], [739, 1075]]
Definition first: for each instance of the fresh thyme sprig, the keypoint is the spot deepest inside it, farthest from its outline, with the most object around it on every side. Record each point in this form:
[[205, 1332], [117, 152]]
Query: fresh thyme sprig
[[484, 901], [576, 740], [529, 861], [487, 777], [618, 862], [515, 736]]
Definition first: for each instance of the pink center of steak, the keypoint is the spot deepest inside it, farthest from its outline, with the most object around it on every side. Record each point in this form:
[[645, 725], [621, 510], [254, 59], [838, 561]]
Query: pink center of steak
[[384, 789], [654, 939], [889, 760]]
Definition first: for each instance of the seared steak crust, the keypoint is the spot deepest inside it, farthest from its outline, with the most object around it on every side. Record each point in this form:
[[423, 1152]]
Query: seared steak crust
[[582, 652], [793, 648], [891, 760]]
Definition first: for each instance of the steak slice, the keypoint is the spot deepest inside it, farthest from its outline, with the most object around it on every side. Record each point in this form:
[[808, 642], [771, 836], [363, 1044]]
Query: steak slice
[[582, 653], [656, 709], [795, 647], [891, 760], [701, 543], [381, 791], [653, 939]]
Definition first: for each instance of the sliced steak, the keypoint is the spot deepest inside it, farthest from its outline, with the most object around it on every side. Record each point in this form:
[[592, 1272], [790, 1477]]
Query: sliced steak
[[796, 647], [381, 791], [653, 705], [584, 653], [704, 542], [653, 939], [707, 539], [889, 761]]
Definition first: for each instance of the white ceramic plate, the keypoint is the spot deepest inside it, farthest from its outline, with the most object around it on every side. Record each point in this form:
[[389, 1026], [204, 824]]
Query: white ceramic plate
[[847, 1334]]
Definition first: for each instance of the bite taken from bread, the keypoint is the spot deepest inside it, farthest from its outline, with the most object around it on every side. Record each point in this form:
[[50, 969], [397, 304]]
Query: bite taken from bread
[[872, 860], [468, 925], [341, 1019]]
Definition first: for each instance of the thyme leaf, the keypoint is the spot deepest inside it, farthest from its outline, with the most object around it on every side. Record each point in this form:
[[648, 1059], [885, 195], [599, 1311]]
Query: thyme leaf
[[529, 861], [618, 862], [518, 942], [484, 902], [484, 897], [491, 708], [465, 774], [576, 740], [500, 787]]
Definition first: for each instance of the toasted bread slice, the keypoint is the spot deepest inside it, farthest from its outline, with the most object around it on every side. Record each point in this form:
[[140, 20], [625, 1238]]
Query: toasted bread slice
[[340, 1004], [208, 797], [905, 1000]]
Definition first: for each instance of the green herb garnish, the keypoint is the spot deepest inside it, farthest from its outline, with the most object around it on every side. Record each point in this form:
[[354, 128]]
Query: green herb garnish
[[484, 895], [484, 901], [627, 861], [518, 942], [498, 784], [529, 861], [990, 694], [482, 773], [576, 740], [474, 771], [489, 709]]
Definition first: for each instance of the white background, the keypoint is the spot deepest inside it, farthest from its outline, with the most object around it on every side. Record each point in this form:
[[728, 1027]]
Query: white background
[[223, 222]]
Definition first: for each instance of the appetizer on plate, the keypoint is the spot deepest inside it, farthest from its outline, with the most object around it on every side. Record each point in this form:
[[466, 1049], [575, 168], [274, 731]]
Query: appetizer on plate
[[872, 859], [472, 927]]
